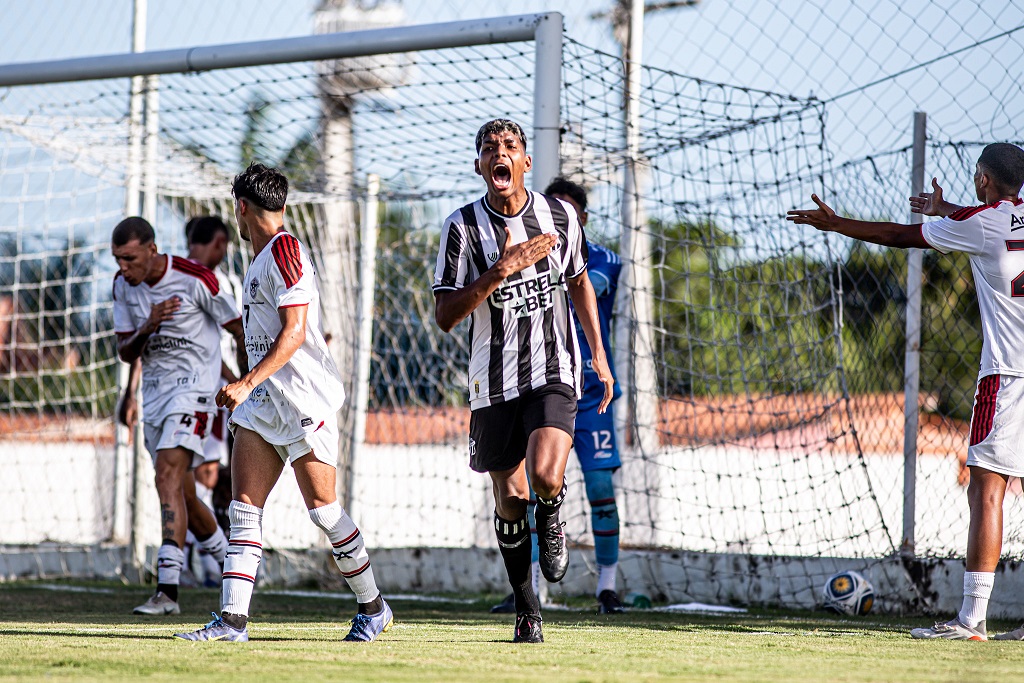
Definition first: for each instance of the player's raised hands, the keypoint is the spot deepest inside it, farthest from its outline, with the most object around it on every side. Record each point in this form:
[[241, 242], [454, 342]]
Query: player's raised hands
[[822, 218], [161, 313], [932, 203], [525, 254]]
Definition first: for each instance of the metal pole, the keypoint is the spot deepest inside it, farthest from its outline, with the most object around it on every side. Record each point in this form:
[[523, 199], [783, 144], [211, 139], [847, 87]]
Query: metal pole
[[124, 492], [133, 202], [283, 51], [912, 362], [634, 328], [364, 341], [547, 85]]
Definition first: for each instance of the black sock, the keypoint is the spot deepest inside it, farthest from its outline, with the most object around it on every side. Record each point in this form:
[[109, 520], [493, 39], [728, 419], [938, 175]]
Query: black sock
[[375, 606], [234, 620], [169, 589], [514, 544], [548, 507]]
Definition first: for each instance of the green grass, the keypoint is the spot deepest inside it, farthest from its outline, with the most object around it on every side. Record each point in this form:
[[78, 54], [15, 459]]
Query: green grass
[[63, 635]]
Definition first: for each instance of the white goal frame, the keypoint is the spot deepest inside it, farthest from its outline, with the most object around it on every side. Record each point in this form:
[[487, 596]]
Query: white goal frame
[[543, 29]]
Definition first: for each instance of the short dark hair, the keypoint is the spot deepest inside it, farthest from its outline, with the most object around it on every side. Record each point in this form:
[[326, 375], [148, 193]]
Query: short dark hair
[[262, 185], [564, 186], [500, 126], [132, 228], [202, 229], [1005, 163]]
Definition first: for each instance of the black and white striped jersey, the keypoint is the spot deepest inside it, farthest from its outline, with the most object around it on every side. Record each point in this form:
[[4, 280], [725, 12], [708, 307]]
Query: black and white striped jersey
[[523, 337]]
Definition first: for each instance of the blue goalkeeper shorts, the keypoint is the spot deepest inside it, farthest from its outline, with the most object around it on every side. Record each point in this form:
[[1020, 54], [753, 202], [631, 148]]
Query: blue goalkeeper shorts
[[594, 439]]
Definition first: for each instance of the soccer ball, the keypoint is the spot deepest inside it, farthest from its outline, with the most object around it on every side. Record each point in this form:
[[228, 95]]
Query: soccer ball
[[848, 593]]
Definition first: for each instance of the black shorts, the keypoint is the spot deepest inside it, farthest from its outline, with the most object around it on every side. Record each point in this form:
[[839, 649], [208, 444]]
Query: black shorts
[[498, 434]]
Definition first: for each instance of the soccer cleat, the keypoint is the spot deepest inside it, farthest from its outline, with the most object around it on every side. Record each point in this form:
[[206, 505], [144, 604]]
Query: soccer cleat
[[158, 605], [554, 556], [217, 630], [1015, 634], [528, 629], [608, 603], [506, 606], [366, 627], [953, 629]]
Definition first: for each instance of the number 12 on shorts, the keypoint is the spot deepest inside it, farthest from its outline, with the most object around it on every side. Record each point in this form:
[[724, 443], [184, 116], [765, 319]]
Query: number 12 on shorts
[[602, 439]]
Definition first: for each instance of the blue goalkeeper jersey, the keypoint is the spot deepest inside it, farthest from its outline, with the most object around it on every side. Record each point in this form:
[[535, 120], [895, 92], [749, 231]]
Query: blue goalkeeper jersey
[[603, 267]]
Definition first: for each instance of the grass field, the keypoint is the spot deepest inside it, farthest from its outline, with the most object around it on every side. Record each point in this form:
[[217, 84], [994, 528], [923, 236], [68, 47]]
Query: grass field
[[85, 631]]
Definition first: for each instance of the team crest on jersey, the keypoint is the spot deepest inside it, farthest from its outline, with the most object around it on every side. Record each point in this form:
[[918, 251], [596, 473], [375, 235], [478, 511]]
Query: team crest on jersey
[[492, 256], [253, 286], [472, 447]]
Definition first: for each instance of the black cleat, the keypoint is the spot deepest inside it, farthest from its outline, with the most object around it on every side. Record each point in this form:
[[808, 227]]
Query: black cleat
[[506, 606], [608, 603], [528, 629], [554, 556]]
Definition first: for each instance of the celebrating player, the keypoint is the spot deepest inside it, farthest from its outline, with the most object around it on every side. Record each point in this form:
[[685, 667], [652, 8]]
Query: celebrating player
[[284, 409], [507, 260], [207, 238], [986, 233], [594, 434], [164, 307]]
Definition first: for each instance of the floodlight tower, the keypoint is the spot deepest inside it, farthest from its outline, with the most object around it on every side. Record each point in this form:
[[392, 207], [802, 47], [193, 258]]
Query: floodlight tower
[[341, 83]]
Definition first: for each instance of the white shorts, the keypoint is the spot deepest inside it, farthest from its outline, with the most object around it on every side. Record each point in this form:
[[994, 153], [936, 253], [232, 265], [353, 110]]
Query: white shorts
[[322, 441], [215, 447], [997, 426], [179, 431]]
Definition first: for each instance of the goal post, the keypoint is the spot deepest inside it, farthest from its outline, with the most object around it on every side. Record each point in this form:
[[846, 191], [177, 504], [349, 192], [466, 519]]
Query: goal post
[[751, 468]]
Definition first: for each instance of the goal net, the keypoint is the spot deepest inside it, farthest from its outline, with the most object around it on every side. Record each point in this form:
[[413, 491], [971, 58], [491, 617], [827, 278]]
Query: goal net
[[744, 466]]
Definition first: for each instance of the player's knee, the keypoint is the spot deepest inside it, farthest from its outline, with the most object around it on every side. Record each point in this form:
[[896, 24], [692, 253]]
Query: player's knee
[[547, 482]]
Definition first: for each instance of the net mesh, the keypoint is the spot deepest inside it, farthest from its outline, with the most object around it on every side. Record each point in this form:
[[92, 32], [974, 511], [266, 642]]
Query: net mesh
[[763, 364]]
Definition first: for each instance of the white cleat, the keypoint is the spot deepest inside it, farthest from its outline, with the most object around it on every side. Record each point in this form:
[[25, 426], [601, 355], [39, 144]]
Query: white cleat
[[951, 630], [1015, 634], [158, 605]]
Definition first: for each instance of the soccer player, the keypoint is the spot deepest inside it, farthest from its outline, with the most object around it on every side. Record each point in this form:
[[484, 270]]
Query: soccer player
[[284, 409], [986, 233], [594, 434], [163, 309], [207, 238], [507, 260]]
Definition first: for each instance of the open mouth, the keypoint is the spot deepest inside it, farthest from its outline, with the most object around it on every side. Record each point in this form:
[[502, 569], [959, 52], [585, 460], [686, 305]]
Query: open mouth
[[501, 176]]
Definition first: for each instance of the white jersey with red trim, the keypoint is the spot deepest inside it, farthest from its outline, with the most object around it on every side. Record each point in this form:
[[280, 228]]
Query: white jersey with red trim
[[993, 237], [307, 391], [176, 358]]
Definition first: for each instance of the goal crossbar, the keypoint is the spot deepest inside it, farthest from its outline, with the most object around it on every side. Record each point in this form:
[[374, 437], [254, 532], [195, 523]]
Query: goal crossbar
[[545, 29]]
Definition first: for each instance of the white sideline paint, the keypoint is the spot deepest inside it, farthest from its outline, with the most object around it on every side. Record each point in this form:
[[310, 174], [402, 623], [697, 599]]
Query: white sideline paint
[[699, 608]]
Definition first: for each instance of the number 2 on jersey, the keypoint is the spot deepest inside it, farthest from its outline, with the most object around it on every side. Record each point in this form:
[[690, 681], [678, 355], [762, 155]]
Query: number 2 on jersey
[[1017, 283]]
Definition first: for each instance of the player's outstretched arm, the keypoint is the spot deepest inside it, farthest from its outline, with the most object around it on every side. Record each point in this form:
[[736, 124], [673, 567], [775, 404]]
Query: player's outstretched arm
[[451, 307], [932, 203], [293, 333], [130, 346], [887, 234], [128, 410], [585, 304]]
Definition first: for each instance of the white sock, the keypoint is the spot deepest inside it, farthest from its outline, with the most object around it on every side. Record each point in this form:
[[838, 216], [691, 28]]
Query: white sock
[[348, 548], [242, 561], [212, 569], [205, 495], [606, 577], [977, 591], [216, 545], [169, 561], [536, 577]]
